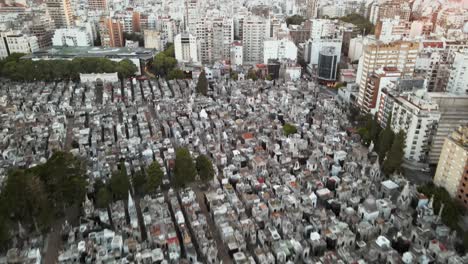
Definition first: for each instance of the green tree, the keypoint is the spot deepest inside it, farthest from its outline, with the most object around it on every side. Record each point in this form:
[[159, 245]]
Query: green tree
[[204, 168], [126, 68], [119, 184], [385, 140], [169, 51], [452, 208], [202, 84], [294, 20], [252, 75], [155, 177], [395, 155], [361, 22], [139, 182], [374, 129], [234, 76], [103, 198], [175, 74], [289, 129], [184, 171]]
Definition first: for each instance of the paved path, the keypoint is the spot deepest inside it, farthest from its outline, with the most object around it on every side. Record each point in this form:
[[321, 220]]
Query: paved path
[[54, 238], [223, 254]]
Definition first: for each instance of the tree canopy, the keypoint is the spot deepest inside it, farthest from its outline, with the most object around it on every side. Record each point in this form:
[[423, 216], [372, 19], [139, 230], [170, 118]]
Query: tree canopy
[[50, 187], [155, 177], [165, 65], [361, 22], [202, 84], [204, 168], [395, 155], [294, 20], [135, 37], [184, 171], [103, 198], [452, 208], [17, 69], [385, 140], [251, 74], [119, 184], [289, 129]]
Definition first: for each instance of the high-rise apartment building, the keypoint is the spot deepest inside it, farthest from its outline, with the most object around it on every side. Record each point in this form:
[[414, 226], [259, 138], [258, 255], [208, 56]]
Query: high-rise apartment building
[[400, 55], [458, 80], [418, 118], [43, 28], [98, 5], [255, 30], [390, 9], [191, 15], [312, 7], [111, 32], [454, 111], [185, 48], [61, 13], [452, 169]]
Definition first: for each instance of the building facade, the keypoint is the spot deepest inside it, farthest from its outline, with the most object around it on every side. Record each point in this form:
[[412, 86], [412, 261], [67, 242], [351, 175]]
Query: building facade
[[452, 169], [111, 32], [327, 64], [418, 118], [400, 55], [185, 48], [255, 30], [279, 50], [16, 42], [61, 13], [73, 37], [458, 80]]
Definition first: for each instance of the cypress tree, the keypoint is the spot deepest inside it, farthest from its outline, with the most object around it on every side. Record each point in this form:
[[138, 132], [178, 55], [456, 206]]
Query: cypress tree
[[202, 85]]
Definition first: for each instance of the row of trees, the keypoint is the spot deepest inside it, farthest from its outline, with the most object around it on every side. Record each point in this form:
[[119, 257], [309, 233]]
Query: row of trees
[[186, 169], [165, 64], [17, 69], [119, 184], [35, 196], [185, 172], [387, 144]]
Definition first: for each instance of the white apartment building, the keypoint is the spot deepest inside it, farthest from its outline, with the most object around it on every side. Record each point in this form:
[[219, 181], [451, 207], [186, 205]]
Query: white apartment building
[[72, 37], [392, 29], [214, 37], [237, 53], [418, 119], [185, 48], [279, 50], [376, 55], [168, 29], [458, 81], [16, 42], [323, 28], [255, 30], [356, 45]]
